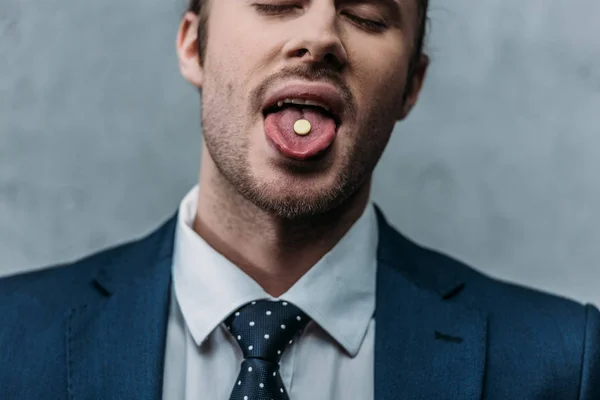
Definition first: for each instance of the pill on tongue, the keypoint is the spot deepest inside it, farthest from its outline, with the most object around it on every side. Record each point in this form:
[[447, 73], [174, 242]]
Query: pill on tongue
[[279, 127], [302, 127]]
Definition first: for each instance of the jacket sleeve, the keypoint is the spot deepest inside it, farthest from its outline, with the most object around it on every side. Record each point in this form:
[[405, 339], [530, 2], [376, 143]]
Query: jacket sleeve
[[590, 371]]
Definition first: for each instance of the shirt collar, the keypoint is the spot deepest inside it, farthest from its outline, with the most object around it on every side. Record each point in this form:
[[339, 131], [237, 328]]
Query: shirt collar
[[338, 292]]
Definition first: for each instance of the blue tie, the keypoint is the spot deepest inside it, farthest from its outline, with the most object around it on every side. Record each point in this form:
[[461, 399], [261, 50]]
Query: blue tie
[[263, 329]]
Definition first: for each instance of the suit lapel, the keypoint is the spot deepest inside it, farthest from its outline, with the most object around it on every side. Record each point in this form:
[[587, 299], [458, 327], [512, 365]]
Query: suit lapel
[[115, 346], [426, 346]]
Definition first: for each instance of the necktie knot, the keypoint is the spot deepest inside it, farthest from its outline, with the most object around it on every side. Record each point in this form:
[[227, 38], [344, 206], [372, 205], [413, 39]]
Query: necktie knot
[[265, 328]]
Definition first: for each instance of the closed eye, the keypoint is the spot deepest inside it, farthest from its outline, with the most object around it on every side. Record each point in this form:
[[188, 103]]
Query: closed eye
[[369, 24], [282, 9]]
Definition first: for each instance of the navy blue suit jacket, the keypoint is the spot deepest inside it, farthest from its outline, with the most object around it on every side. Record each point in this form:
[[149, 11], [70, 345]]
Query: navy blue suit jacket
[[96, 329]]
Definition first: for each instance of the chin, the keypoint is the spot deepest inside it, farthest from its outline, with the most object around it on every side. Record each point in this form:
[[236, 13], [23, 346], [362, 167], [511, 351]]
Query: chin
[[296, 201]]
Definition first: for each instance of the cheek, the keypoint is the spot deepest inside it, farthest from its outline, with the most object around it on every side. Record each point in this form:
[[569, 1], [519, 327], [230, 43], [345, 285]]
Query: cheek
[[237, 39], [383, 64], [381, 92], [224, 43], [233, 59]]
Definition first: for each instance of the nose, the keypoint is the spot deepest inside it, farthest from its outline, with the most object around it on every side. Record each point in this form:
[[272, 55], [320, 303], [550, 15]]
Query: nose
[[316, 39]]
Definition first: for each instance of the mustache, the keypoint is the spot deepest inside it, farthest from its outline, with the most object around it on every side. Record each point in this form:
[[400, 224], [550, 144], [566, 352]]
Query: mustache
[[308, 73]]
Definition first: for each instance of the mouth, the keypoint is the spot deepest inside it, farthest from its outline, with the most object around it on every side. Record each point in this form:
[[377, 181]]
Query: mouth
[[319, 104], [302, 104], [321, 97]]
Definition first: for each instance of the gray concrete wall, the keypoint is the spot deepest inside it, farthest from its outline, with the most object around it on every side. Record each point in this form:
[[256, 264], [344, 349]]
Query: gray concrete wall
[[497, 166]]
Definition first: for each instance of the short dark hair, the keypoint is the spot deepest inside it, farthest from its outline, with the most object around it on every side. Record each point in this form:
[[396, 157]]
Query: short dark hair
[[198, 7]]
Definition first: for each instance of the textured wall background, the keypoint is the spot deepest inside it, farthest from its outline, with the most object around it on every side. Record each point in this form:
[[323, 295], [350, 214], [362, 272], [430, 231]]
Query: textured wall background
[[497, 166]]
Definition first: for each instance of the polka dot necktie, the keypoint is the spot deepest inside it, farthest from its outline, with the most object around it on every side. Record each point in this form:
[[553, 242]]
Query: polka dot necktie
[[263, 329]]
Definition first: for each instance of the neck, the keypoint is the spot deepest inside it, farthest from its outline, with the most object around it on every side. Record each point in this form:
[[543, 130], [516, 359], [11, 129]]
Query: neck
[[273, 251]]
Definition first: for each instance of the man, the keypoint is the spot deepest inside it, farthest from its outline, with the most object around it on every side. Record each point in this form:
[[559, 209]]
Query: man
[[278, 278]]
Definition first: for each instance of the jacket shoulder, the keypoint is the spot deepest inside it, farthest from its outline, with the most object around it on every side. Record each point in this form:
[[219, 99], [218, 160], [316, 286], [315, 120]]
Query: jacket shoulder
[[60, 285], [462, 283], [548, 341], [52, 284], [497, 295], [511, 308], [533, 334]]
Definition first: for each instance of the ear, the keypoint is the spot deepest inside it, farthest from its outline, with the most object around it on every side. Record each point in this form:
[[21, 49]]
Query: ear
[[187, 50], [413, 87]]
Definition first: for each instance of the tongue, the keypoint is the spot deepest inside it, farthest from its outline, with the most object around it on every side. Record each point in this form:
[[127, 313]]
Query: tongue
[[279, 127]]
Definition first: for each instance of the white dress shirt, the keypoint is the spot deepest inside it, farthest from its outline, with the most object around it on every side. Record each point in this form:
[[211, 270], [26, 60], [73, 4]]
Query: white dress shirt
[[333, 357]]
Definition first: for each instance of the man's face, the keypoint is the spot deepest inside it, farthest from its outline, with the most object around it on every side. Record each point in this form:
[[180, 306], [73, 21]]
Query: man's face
[[257, 48]]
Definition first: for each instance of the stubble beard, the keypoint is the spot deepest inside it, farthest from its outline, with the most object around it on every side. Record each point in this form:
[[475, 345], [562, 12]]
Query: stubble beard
[[226, 138]]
